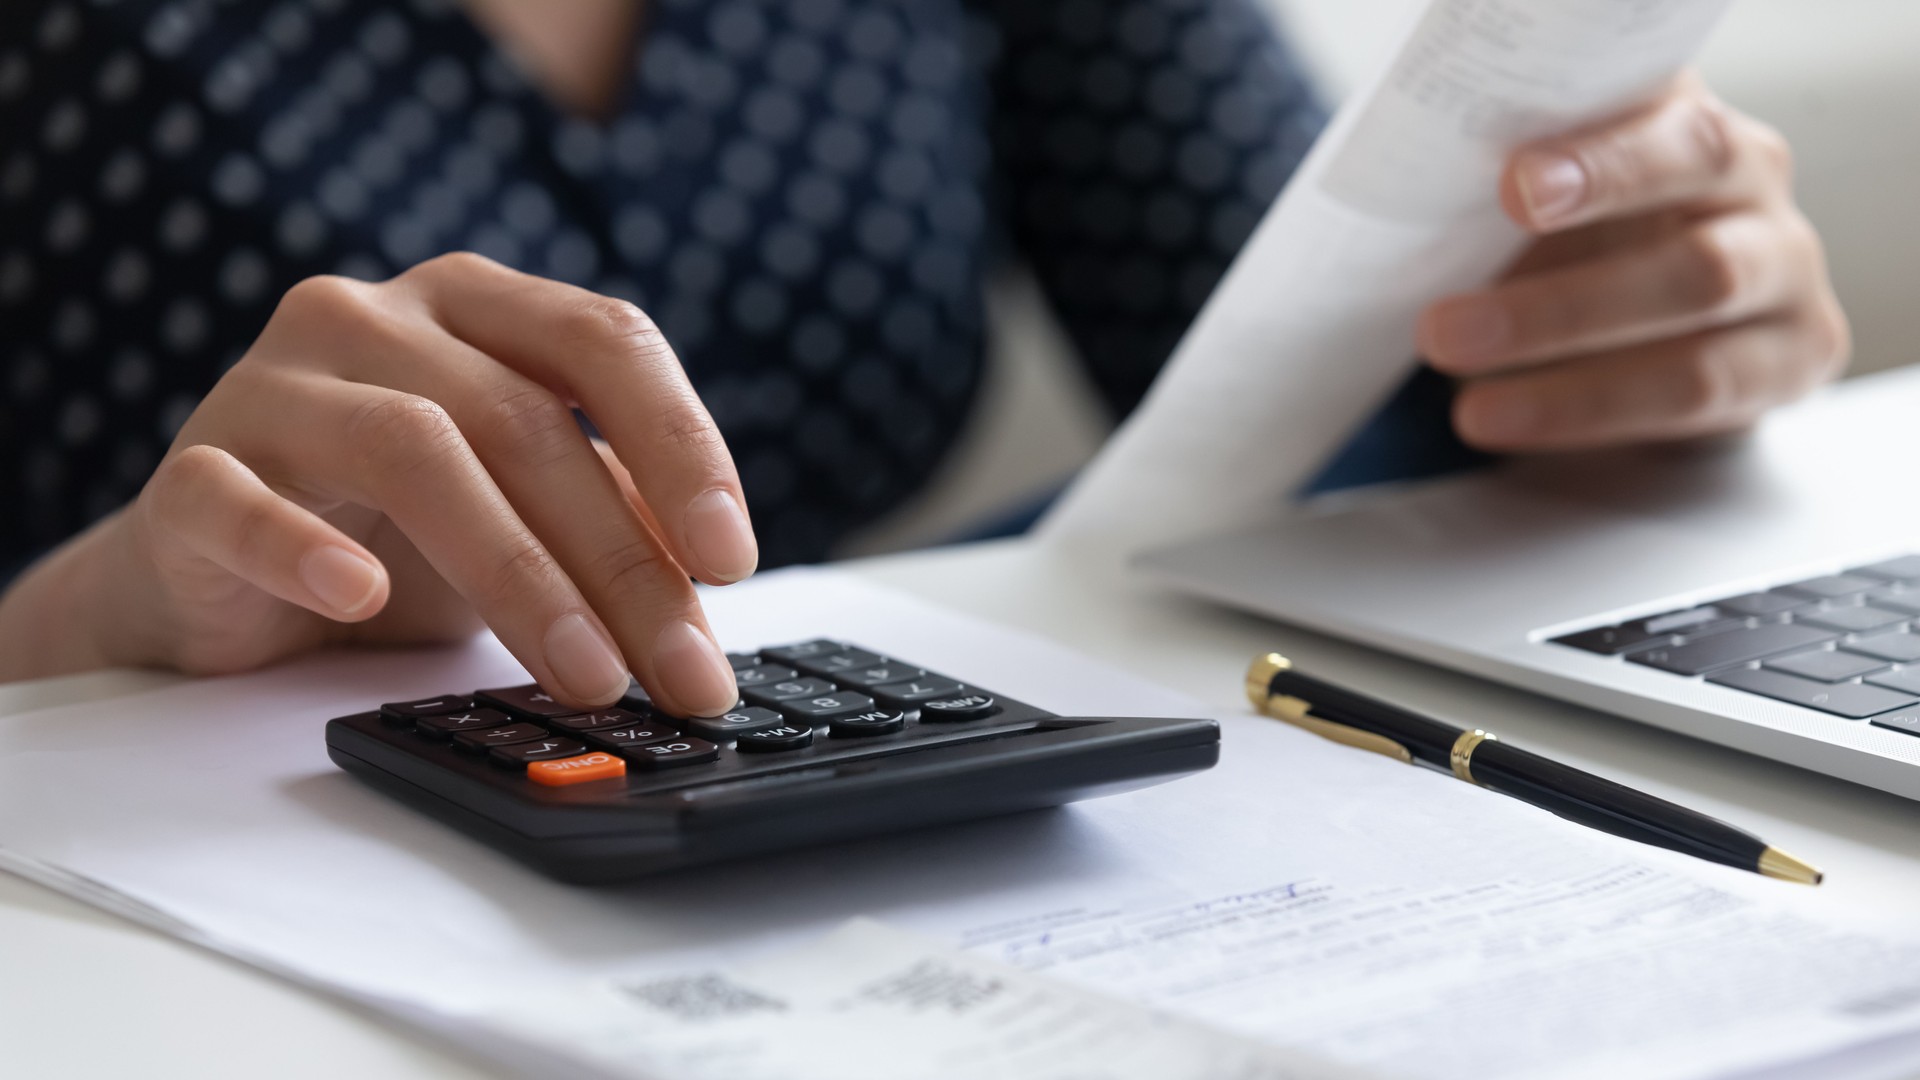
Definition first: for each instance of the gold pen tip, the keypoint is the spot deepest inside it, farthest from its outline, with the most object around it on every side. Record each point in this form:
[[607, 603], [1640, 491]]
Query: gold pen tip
[[1260, 676], [1775, 863]]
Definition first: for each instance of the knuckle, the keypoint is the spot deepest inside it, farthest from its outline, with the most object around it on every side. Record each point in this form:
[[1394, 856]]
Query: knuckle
[[1771, 148], [325, 295], [607, 320], [401, 434], [455, 266], [525, 570], [1704, 385], [1714, 269], [532, 424], [1709, 127], [634, 567]]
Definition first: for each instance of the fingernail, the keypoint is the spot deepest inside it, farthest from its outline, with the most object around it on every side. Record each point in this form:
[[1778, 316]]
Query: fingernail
[[583, 658], [1501, 420], [342, 580], [1469, 330], [719, 536], [1553, 186], [693, 670]]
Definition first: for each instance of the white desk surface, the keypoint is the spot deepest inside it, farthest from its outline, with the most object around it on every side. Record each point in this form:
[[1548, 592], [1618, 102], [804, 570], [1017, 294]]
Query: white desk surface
[[83, 994]]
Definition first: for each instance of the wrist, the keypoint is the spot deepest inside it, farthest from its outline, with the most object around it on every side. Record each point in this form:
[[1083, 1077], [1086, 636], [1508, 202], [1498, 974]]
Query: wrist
[[55, 619]]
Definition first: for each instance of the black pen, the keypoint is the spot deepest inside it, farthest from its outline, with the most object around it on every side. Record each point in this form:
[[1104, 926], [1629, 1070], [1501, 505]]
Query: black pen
[[1479, 758]]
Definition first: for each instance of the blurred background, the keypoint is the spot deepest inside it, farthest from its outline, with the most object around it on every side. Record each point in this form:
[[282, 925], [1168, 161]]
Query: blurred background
[[1840, 78]]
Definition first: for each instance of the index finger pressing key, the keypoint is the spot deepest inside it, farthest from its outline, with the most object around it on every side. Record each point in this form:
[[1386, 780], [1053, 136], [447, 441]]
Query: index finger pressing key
[[608, 356]]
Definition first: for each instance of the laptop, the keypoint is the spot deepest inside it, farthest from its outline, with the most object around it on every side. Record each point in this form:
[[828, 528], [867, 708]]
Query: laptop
[[1761, 592]]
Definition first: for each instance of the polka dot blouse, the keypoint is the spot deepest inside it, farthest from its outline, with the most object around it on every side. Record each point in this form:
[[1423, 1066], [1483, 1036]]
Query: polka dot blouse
[[806, 195]]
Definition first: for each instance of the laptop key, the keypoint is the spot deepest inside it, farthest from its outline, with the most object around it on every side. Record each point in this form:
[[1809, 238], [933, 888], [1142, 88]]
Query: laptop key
[[1901, 647], [1825, 665], [1905, 721], [1894, 598], [1656, 630], [1851, 700], [1904, 680], [1831, 586], [1762, 603], [1904, 568], [1854, 620], [1735, 647]]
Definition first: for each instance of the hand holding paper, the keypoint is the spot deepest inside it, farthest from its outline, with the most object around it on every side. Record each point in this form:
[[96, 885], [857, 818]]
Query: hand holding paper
[[1674, 290]]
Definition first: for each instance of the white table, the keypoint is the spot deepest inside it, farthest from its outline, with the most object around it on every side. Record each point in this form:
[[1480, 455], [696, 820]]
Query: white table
[[83, 994]]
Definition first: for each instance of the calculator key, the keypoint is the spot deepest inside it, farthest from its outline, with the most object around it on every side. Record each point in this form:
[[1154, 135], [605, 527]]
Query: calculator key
[[441, 727], [1855, 620], [1900, 647], [500, 736], [605, 718], [528, 701], [826, 707], [739, 721], [1904, 568], [1736, 647], [681, 751], [833, 663], [576, 770], [867, 678], [877, 720], [775, 739], [772, 694], [1825, 665], [1761, 603], [762, 675], [912, 692], [631, 737], [405, 712], [742, 660], [527, 753], [1831, 587], [1851, 700], [950, 710], [787, 654]]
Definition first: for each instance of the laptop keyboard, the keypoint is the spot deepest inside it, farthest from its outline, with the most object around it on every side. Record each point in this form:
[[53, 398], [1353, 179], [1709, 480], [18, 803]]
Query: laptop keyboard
[[1845, 644]]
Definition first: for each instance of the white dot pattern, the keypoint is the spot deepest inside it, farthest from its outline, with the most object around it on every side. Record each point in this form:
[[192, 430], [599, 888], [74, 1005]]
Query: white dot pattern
[[805, 194]]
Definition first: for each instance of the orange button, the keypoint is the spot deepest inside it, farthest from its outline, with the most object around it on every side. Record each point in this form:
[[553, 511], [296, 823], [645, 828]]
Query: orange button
[[576, 770]]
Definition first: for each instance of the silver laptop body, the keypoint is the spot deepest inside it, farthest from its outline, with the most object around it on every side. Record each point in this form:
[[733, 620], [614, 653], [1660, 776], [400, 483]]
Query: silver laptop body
[[1482, 572]]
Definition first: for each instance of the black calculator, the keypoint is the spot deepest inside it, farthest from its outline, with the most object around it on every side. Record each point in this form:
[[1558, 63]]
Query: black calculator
[[829, 741]]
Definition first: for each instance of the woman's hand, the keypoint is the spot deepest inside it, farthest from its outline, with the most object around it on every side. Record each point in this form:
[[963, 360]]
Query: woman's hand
[[397, 462], [1674, 291]]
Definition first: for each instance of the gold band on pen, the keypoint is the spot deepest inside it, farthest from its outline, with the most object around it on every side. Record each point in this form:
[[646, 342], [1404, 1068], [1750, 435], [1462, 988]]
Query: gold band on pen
[[1461, 758], [1298, 712]]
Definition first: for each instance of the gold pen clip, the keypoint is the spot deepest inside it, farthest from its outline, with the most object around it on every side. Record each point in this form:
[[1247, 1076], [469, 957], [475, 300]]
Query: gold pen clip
[[1299, 713]]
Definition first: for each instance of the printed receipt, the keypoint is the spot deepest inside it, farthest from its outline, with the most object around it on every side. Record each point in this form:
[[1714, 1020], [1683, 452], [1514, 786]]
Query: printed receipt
[[868, 1002], [1397, 205]]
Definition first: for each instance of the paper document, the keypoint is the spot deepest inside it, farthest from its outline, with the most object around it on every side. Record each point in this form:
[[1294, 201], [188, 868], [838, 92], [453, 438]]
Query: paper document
[[872, 1003], [1302, 894], [1397, 204]]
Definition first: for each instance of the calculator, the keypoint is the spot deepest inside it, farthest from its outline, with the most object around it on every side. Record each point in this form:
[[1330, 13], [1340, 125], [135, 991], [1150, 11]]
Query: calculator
[[829, 742]]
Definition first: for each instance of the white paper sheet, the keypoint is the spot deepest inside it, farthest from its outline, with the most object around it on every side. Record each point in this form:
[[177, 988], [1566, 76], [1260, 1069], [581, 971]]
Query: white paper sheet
[[1396, 205], [868, 1002], [211, 811]]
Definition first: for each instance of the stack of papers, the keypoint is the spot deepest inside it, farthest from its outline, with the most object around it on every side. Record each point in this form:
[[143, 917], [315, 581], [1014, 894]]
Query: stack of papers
[[1327, 905]]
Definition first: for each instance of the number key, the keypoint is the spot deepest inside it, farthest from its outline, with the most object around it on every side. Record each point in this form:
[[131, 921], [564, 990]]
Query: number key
[[520, 755], [735, 723], [826, 707], [762, 675], [772, 694]]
